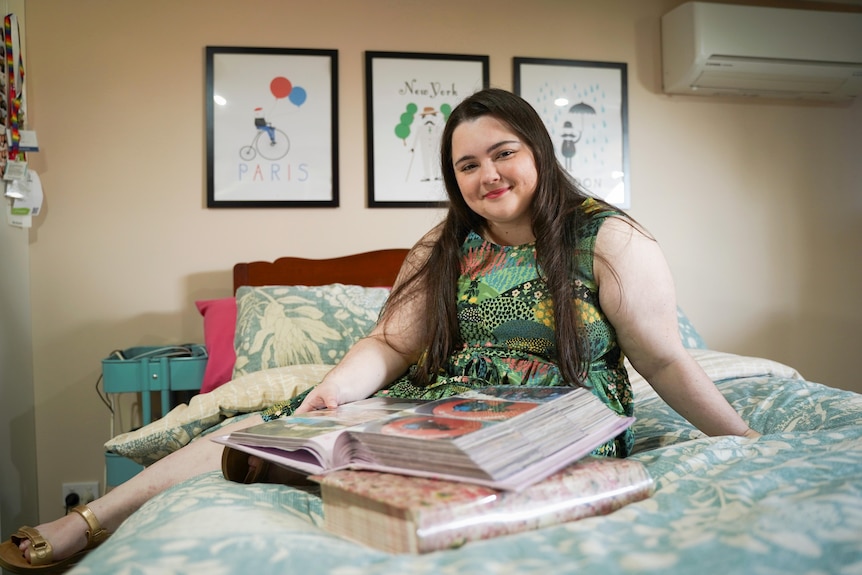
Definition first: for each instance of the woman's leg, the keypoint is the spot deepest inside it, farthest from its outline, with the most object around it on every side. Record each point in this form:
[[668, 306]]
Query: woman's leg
[[67, 535]]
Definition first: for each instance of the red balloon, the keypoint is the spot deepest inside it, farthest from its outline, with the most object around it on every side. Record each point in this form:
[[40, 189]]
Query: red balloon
[[280, 87]]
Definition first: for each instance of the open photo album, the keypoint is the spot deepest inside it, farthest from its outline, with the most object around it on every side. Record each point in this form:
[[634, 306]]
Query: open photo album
[[503, 437]]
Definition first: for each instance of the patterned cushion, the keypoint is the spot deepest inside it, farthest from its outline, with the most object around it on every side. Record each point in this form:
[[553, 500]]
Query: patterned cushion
[[291, 325]]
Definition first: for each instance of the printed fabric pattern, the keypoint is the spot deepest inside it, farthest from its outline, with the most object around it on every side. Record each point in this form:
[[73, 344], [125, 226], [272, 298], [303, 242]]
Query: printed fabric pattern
[[507, 326]]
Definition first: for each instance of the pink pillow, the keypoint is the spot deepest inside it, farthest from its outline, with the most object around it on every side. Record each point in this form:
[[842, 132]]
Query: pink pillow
[[219, 328]]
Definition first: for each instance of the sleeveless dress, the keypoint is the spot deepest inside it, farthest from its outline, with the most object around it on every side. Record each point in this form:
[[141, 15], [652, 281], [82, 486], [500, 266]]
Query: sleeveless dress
[[507, 326]]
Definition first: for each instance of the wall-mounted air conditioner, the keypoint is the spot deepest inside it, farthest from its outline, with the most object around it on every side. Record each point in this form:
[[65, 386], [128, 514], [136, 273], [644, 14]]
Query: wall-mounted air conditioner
[[727, 49]]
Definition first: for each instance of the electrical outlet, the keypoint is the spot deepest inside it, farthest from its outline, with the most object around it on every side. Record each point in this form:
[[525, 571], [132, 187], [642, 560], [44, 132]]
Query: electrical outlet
[[87, 491]]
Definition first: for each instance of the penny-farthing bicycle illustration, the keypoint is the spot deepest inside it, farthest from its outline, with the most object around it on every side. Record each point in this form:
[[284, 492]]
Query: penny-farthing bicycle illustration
[[271, 143]]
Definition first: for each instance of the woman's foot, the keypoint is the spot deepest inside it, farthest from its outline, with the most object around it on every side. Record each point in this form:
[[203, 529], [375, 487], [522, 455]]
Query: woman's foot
[[59, 543], [66, 535]]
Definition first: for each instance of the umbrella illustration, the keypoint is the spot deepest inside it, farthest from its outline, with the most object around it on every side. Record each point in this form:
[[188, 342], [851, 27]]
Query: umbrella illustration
[[582, 109], [570, 138]]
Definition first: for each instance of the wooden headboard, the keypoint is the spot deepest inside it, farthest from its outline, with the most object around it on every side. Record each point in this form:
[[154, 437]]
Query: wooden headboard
[[370, 269]]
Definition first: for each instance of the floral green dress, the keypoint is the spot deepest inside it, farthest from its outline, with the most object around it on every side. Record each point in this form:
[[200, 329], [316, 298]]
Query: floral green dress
[[507, 327]]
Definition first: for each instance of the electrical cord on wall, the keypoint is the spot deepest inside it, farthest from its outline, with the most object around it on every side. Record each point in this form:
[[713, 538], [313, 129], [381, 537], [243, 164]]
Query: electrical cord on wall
[[116, 354], [103, 396], [108, 400]]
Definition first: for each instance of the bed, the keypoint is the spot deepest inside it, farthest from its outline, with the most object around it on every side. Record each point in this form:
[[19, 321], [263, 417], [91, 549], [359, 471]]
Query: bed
[[789, 502]]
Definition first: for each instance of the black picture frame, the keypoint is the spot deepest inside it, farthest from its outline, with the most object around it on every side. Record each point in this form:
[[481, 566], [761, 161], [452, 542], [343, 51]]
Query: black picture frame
[[584, 105], [402, 90], [271, 127]]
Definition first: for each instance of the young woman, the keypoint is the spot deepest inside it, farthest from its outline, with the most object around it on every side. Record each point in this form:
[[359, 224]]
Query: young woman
[[528, 281]]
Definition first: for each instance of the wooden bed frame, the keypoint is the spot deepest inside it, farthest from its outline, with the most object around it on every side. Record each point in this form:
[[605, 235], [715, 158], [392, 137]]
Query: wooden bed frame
[[377, 268]]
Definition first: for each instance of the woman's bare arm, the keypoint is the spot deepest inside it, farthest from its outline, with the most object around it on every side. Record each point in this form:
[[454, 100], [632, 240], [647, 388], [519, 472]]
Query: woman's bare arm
[[637, 295], [376, 360]]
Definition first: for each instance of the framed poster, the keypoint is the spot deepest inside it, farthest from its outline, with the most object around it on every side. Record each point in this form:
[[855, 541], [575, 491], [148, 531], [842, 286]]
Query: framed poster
[[272, 127], [585, 108], [408, 98]]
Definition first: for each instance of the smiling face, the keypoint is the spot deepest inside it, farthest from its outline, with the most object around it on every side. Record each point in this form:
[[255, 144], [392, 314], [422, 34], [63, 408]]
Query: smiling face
[[497, 176]]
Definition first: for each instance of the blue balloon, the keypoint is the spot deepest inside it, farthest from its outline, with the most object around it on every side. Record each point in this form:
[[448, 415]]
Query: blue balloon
[[297, 96]]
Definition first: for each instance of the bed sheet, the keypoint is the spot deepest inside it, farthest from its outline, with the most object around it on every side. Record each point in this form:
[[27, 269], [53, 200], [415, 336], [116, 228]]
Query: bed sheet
[[788, 502]]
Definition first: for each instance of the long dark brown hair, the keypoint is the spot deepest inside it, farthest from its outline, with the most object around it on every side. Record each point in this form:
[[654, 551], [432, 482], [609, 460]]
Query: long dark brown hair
[[555, 221]]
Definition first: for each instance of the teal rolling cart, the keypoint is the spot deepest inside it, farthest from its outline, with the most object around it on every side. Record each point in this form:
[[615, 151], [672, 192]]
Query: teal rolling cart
[[145, 370]]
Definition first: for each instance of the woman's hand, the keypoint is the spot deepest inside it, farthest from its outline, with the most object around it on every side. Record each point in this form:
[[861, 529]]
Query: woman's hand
[[324, 396]]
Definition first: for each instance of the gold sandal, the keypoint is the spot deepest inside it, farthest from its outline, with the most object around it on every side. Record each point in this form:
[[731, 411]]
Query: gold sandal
[[235, 467], [41, 552]]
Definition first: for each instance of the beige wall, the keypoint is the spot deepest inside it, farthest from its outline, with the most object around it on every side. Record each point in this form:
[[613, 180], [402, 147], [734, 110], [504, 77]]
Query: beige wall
[[757, 204], [18, 474]]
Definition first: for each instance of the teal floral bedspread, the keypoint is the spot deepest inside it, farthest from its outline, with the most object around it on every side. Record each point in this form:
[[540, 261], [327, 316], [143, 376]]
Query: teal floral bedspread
[[789, 502]]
